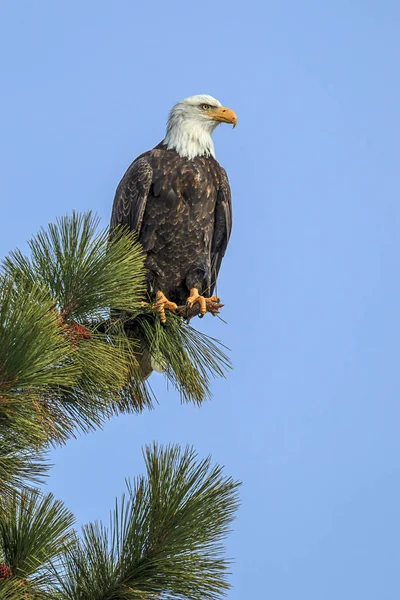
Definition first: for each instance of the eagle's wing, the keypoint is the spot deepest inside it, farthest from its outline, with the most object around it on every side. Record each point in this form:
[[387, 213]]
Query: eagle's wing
[[131, 196], [222, 227]]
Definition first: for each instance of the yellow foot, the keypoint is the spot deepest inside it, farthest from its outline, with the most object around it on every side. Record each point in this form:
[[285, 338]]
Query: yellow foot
[[206, 304], [162, 304]]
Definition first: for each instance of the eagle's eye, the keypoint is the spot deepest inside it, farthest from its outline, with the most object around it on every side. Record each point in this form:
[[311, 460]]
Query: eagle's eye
[[205, 106]]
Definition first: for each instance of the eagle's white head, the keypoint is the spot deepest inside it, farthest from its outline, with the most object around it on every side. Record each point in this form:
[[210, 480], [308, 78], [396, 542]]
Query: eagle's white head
[[191, 123]]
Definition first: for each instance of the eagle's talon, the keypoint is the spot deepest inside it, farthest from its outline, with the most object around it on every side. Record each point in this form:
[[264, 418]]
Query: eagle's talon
[[205, 304], [162, 304]]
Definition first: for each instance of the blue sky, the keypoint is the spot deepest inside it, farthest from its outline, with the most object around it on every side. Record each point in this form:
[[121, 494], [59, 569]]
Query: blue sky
[[309, 418]]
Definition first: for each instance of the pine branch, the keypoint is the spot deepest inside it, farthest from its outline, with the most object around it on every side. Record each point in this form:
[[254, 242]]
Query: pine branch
[[164, 538], [35, 531], [33, 354], [86, 276], [65, 376], [21, 465], [188, 357]]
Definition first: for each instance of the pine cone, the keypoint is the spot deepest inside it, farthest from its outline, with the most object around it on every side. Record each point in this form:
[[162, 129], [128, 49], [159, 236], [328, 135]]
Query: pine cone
[[5, 571], [75, 332]]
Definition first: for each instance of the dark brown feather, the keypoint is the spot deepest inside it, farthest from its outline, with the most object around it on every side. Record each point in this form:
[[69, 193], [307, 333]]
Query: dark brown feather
[[181, 210]]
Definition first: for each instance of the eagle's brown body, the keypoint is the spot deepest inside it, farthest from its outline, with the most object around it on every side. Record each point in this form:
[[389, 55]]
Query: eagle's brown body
[[181, 210]]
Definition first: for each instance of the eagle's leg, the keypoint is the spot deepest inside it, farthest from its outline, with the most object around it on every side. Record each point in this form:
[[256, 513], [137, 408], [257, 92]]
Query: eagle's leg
[[162, 304], [203, 302]]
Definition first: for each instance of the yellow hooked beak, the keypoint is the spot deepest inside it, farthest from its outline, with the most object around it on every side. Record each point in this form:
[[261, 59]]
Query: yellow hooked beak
[[222, 114]]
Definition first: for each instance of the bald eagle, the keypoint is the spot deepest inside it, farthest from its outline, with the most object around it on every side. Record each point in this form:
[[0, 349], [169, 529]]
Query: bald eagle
[[178, 200]]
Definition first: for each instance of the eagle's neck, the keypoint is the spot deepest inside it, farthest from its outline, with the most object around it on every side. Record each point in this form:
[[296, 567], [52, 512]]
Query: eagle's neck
[[190, 137]]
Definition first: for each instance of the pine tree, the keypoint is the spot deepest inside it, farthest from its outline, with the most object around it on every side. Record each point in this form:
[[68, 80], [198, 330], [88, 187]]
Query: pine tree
[[74, 339]]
